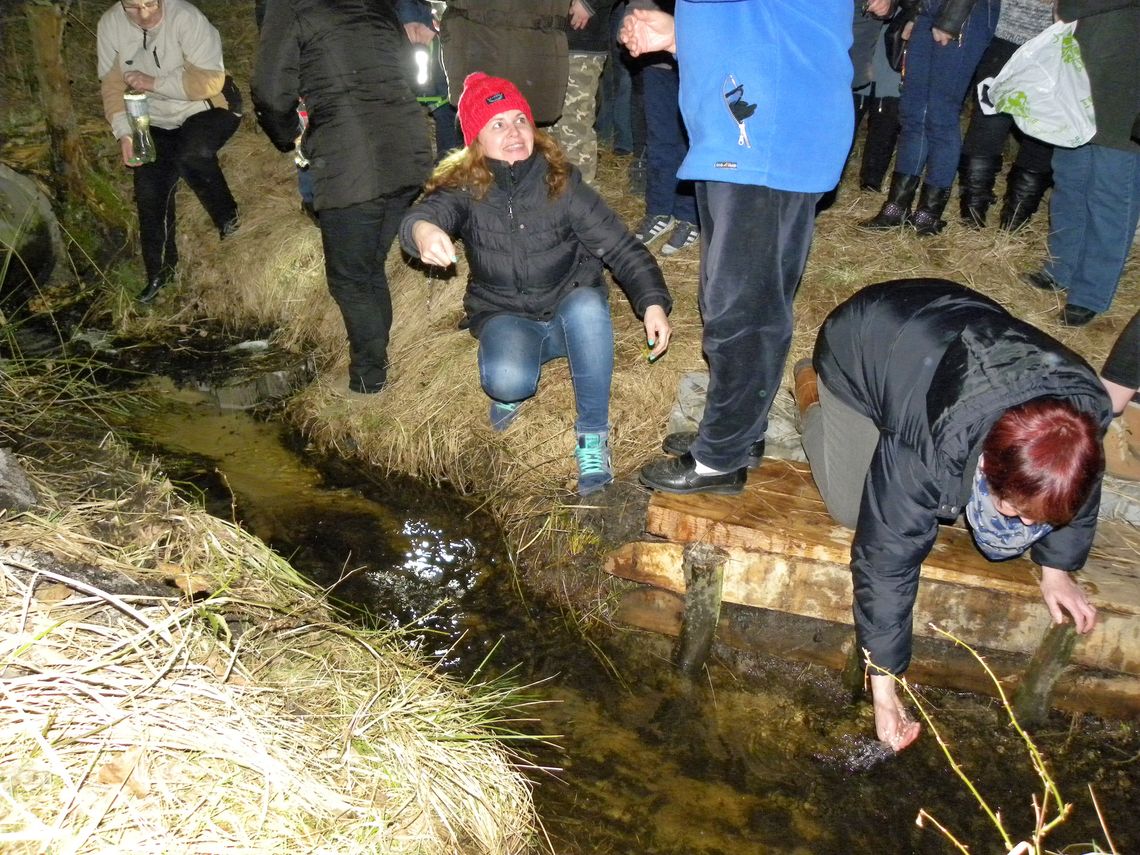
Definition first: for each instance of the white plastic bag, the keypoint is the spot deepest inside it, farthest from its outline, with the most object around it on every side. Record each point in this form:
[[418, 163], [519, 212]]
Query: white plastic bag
[[1045, 87]]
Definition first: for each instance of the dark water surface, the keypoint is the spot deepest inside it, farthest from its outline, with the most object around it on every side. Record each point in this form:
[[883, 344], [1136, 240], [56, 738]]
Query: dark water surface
[[761, 757]]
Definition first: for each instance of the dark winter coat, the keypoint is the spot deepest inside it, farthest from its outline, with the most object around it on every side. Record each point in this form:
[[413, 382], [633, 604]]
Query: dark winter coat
[[521, 40], [527, 251], [949, 15], [934, 365], [350, 60], [1108, 32]]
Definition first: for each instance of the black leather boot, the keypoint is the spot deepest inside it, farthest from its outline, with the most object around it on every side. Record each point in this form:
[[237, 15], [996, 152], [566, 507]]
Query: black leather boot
[[896, 210], [927, 217], [154, 285], [1023, 191], [976, 175], [882, 134]]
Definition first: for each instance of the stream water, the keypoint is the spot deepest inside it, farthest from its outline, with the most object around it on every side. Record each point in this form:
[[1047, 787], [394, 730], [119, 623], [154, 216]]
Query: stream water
[[760, 757]]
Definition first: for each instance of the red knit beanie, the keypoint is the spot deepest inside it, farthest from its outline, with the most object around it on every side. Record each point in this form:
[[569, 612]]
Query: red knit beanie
[[483, 97]]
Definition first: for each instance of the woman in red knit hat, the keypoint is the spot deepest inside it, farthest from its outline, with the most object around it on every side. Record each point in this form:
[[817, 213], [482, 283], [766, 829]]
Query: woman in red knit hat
[[536, 238]]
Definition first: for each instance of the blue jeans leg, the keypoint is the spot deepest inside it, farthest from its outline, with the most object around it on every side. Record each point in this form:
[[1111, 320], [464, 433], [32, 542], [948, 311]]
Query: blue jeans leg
[[937, 77], [513, 349], [1093, 212], [754, 244], [665, 147]]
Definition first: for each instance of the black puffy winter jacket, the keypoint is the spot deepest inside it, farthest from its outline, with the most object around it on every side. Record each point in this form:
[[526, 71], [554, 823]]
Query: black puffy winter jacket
[[934, 365], [527, 251], [351, 61]]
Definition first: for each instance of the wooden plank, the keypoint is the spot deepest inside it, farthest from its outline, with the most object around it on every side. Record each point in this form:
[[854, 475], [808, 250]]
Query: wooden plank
[[1012, 619], [781, 512], [935, 662]]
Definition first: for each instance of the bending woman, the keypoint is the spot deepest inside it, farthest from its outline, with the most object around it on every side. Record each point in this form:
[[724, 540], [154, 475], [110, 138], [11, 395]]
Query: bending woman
[[536, 237], [934, 402], [167, 49]]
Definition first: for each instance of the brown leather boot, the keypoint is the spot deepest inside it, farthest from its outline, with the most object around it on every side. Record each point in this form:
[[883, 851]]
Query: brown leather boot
[[1122, 445], [805, 388]]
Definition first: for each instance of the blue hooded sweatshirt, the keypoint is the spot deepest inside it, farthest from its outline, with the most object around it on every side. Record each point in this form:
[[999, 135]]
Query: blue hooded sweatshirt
[[766, 91]]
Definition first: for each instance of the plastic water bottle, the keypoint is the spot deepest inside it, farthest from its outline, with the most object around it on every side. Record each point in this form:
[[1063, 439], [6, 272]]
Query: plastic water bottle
[[138, 114]]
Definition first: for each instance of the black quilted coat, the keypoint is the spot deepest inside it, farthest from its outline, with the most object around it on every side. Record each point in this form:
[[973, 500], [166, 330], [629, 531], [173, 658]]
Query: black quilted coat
[[527, 251], [350, 60], [934, 365]]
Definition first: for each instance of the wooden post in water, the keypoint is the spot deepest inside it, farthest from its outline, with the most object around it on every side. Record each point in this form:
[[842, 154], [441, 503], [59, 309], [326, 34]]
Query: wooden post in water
[[854, 675], [1031, 701], [703, 566]]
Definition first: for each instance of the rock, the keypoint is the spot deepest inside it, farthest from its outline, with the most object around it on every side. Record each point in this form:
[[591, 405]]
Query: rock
[[28, 228], [16, 491]]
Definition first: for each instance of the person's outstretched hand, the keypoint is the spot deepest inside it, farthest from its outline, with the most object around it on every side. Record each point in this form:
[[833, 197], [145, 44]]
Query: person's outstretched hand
[[657, 331], [433, 244], [1063, 596], [647, 31], [893, 724]]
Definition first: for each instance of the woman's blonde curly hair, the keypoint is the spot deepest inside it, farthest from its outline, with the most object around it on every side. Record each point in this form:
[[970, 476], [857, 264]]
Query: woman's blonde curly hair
[[466, 169]]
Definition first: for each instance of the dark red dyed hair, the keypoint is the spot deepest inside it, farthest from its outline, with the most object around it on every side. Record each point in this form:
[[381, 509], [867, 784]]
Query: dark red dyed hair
[[1044, 457]]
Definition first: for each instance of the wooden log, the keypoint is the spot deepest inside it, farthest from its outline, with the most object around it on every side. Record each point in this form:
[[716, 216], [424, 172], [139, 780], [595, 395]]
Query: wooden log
[[703, 569], [935, 661], [1010, 617], [1032, 701]]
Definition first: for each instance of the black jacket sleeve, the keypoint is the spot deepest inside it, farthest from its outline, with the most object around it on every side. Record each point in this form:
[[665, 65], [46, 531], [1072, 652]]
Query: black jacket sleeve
[[276, 76], [444, 208], [952, 16], [896, 531], [601, 232]]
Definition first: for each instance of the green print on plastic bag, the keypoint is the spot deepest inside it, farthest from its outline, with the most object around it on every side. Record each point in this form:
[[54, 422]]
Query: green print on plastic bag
[[1071, 52], [1015, 103]]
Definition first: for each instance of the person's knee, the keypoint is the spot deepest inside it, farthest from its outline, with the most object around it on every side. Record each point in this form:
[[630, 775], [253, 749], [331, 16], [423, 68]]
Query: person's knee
[[507, 380]]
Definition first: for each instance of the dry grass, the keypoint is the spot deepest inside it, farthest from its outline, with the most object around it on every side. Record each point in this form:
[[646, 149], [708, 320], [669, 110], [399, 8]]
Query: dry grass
[[244, 721]]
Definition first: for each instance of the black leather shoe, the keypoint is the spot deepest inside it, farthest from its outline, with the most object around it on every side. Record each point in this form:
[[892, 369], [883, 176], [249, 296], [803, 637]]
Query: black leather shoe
[[152, 288], [680, 442], [678, 475], [1042, 280], [1076, 316]]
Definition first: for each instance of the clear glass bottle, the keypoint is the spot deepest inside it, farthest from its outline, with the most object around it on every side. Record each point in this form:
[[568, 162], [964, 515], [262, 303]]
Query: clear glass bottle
[[138, 114]]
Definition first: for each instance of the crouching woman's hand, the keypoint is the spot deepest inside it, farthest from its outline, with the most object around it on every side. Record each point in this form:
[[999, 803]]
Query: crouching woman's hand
[[434, 245], [657, 331]]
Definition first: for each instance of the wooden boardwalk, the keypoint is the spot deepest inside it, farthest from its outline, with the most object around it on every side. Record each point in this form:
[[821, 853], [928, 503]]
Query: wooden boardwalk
[[785, 555]]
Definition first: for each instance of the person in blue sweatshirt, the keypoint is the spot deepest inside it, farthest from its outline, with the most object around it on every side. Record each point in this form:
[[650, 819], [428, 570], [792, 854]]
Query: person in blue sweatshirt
[[766, 98]]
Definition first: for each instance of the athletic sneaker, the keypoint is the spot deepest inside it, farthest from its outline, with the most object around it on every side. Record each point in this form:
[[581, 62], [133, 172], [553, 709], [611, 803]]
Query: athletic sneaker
[[684, 235], [652, 227], [594, 467], [502, 415]]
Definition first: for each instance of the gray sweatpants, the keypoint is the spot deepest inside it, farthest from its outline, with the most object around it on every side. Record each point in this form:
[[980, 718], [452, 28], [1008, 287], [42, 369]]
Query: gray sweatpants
[[839, 443]]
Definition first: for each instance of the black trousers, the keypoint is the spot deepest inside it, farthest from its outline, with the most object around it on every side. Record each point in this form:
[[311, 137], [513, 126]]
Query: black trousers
[[754, 245], [356, 241], [189, 152]]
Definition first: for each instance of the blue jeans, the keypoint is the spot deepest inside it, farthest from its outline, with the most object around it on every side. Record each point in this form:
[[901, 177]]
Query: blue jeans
[[1093, 215], [754, 245], [513, 349], [937, 77], [665, 146]]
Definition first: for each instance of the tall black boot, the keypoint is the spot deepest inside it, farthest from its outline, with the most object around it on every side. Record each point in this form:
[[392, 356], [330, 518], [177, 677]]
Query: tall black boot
[[896, 210], [927, 218], [976, 175], [882, 134], [1023, 191]]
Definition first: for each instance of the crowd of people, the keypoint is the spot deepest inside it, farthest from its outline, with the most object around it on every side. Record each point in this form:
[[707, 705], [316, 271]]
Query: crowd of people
[[924, 400]]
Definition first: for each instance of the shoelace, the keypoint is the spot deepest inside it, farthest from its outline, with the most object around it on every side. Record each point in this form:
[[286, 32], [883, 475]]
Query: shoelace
[[591, 454]]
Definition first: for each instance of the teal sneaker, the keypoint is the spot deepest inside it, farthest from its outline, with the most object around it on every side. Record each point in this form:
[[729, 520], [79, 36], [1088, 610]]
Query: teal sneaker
[[502, 415], [594, 468]]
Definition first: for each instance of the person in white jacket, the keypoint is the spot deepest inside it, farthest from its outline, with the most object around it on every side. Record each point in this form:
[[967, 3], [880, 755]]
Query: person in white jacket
[[170, 51]]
